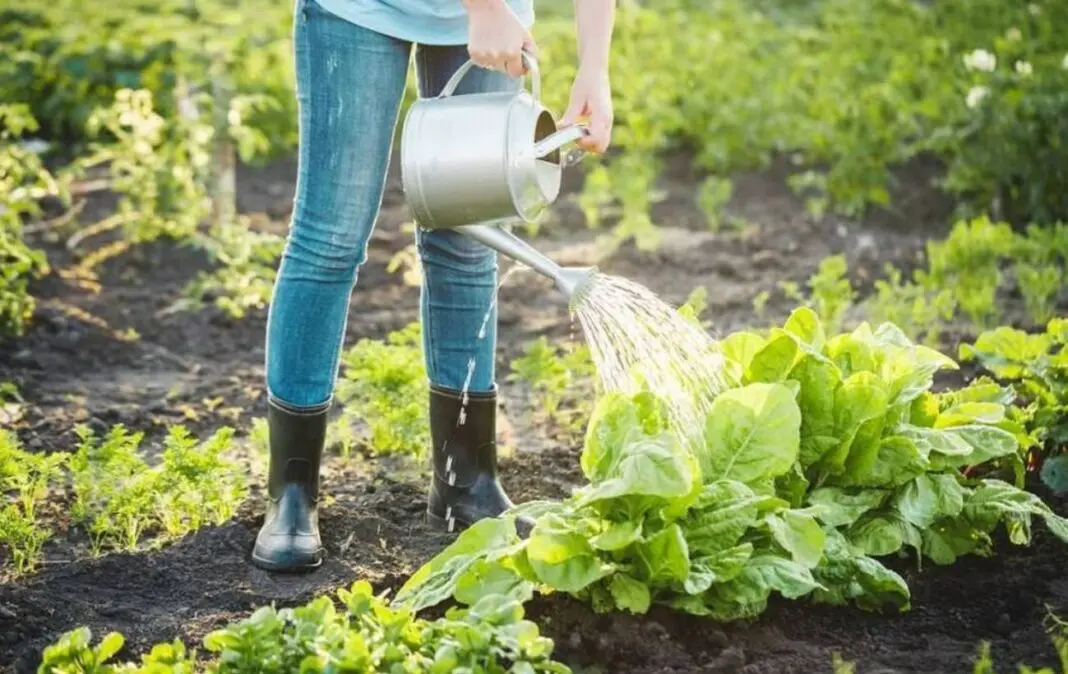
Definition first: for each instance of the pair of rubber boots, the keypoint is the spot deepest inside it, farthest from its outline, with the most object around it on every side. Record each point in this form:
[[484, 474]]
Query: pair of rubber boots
[[463, 490]]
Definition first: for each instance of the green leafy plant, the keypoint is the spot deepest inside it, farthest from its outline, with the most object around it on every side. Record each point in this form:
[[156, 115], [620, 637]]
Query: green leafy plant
[[1037, 366], [384, 386], [363, 636], [712, 197], [562, 381], [919, 312], [1039, 286], [25, 480], [968, 272], [828, 452], [24, 182], [1007, 152], [830, 292], [119, 498], [244, 277]]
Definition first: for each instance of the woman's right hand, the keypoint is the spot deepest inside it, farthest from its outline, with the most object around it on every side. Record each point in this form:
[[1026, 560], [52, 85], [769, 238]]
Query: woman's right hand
[[495, 38]]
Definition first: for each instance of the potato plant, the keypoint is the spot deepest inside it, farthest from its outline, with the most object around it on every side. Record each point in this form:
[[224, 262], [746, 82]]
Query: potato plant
[[24, 182]]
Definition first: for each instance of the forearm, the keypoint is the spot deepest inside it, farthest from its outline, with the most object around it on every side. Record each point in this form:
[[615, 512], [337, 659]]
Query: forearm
[[594, 21]]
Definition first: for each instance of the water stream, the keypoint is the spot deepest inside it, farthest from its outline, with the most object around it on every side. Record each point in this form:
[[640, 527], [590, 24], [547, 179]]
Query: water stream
[[637, 340]]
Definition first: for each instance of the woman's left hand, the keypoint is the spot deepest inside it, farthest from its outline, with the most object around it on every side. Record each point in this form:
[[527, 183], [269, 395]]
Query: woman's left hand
[[591, 99]]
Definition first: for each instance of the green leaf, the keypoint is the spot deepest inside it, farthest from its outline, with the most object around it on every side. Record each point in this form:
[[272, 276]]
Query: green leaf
[[929, 497], [752, 433], [716, 568], [484, 578], [877, 535], [629, 593], [436, 580], [848, 575], [617, 420], [860, 399], [788, 578], [724, 511], [651, 470], [820, 380], [842, 506], [994, 499], [617, 535], [852, 353], [804, 324], [910, 372], [970, 413], [773, 362], [664, 557], [562, 557], [740, 347], [799, 534], [109, 646]]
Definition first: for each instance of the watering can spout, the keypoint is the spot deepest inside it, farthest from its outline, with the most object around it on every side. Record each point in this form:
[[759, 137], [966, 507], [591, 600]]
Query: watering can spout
[[574, 282]]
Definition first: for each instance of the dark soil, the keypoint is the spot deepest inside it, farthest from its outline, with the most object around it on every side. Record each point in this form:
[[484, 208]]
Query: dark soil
[[205, 370]]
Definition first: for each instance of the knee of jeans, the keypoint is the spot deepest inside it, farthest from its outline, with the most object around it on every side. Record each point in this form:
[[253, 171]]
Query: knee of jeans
[[323, 252], [454, 251]]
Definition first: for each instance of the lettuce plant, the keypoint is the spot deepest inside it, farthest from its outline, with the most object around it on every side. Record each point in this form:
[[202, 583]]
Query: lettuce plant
[[827, 453]]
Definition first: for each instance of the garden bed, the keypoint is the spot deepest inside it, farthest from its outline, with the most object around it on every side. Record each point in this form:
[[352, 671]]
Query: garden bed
[[205, 370]]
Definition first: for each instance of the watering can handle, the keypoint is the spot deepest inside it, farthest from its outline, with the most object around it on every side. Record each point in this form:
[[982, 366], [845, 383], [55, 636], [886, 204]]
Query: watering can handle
[[568, 134], [528, 60]]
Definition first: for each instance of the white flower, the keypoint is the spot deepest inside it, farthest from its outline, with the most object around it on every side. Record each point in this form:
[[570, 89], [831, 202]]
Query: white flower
[[1014, 35], [1034, 9], [1024, 68], [980, 59], [975, 96]]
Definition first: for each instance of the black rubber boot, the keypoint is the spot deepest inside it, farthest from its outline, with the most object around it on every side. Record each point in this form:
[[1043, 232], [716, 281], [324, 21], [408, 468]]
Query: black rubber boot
[[465, 487], [289, 539]]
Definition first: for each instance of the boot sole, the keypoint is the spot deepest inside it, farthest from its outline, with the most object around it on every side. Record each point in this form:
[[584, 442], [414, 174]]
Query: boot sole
[[268, 565]]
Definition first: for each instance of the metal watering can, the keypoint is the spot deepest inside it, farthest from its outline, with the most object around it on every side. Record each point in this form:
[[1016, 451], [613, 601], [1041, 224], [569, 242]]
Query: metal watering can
[[476, 162]]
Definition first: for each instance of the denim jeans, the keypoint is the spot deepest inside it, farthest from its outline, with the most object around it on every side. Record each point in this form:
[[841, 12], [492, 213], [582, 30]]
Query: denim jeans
[[350, 82]]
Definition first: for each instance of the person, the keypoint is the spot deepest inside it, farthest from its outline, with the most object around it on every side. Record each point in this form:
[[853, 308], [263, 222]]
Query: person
[[352, 59]]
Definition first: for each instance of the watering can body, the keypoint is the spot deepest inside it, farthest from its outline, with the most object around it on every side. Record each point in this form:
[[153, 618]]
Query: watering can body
[[484, 157]]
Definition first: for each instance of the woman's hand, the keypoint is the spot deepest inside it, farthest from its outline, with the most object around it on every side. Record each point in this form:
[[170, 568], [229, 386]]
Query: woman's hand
[[591, 93], [495, 37], [591, 99]]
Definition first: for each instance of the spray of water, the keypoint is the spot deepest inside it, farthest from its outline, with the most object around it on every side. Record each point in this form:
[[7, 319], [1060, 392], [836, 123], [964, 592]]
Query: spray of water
[[636, 339], [481, 335]]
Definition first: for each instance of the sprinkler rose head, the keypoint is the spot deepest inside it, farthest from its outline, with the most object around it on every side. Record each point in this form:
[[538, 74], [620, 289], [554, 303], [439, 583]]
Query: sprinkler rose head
[[575, 282]]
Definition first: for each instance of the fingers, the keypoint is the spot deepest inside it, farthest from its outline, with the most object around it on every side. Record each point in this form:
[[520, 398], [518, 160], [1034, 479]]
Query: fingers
[[514, 65], [598, 134], [490, 59], [596, 140], [576, 108], [508, 60]]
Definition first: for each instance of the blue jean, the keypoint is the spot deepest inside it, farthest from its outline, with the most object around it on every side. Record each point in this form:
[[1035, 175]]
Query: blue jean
[[350, 83]]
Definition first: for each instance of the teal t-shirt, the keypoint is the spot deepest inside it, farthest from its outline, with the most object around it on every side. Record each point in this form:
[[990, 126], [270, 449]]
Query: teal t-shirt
[[431, 22]]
